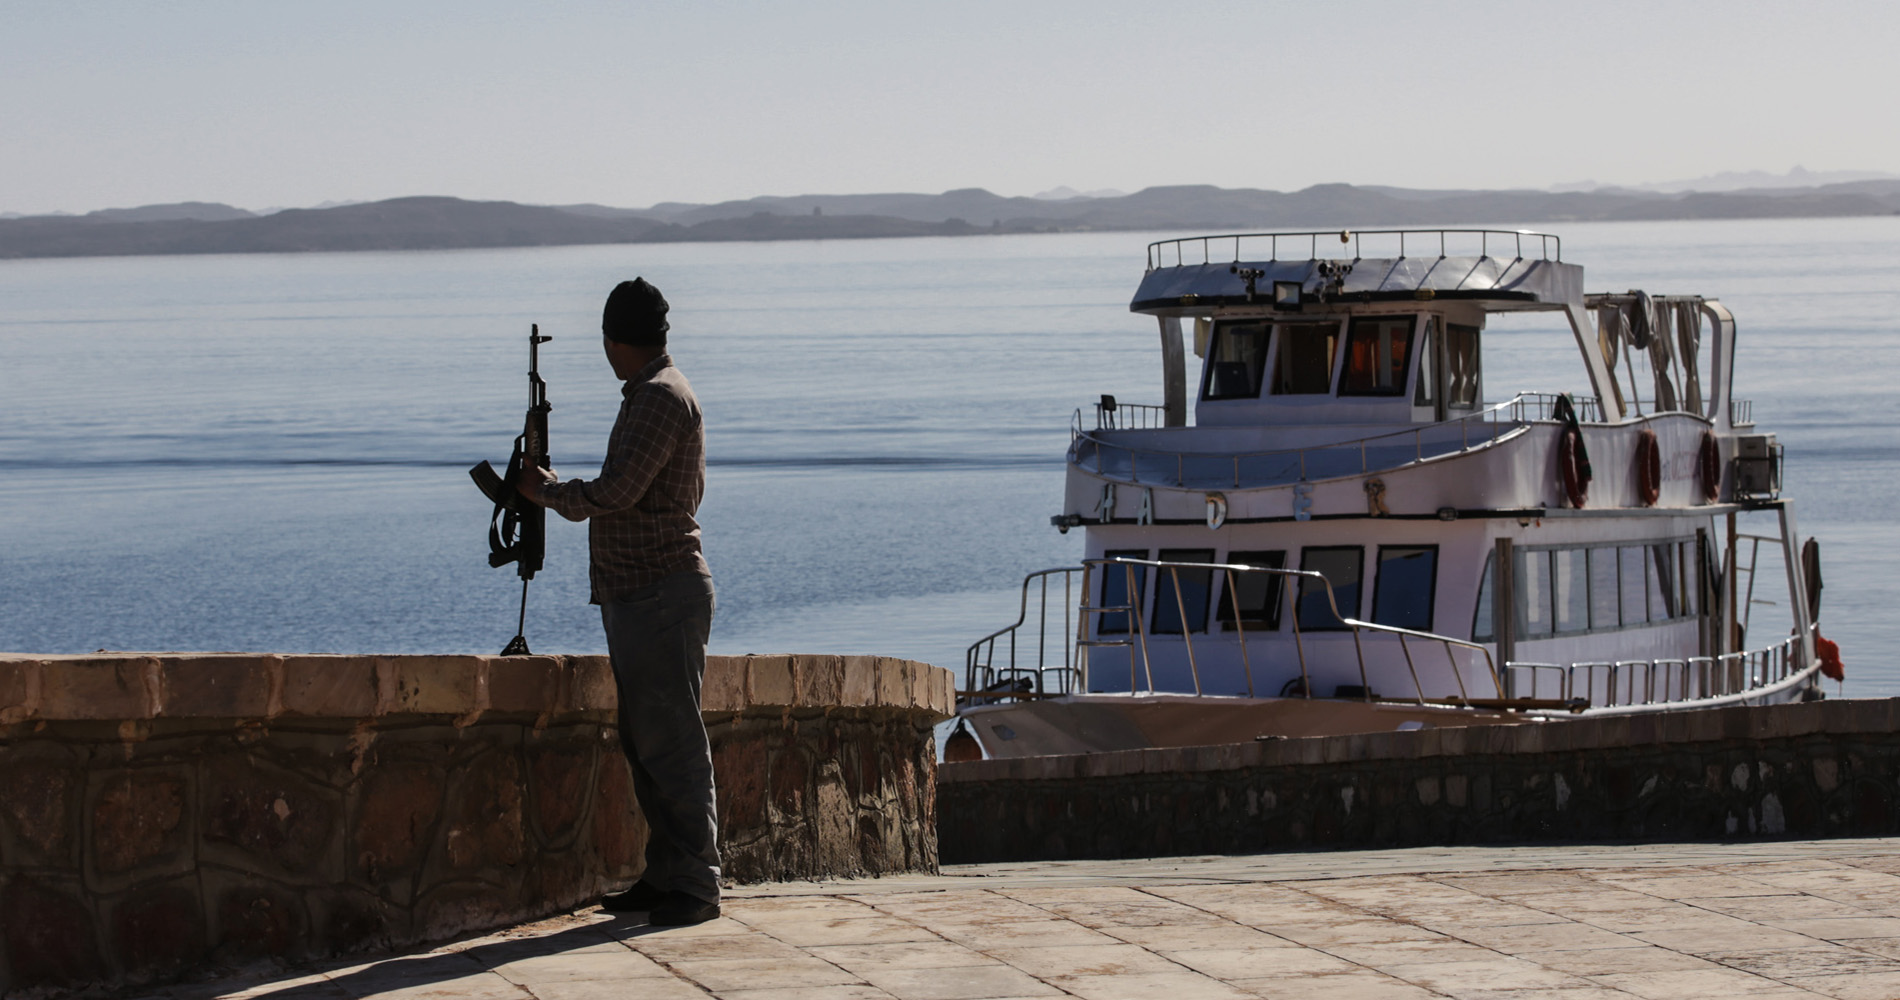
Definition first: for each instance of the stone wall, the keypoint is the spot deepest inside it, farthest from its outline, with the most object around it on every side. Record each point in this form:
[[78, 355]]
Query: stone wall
[[826, 765], [163, 812], [1813, 770]]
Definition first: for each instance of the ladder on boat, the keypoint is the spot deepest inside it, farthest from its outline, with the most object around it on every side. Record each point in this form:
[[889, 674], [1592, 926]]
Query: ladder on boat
[[1132, 626]]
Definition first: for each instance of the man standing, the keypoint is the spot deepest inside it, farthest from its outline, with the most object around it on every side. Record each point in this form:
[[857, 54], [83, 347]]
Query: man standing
[[656, 601]]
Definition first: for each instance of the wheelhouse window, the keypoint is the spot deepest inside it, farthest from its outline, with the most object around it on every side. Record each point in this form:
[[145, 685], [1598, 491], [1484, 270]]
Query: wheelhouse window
[[1342, 566], [1257, 594], [1378, 349], [1121, 588], [1425, 390], [1303, 359], [1402, 593], [1461, 366], [1237, 359], [1190, 600]]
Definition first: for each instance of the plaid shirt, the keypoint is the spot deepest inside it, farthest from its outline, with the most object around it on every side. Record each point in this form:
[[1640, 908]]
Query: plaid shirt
[[642, 505]]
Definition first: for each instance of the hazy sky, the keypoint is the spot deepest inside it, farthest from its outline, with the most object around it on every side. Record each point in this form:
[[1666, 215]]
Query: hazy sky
[[262, 103]]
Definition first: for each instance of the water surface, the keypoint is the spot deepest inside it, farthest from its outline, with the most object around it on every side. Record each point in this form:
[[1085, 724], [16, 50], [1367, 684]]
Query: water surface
[[268, 452]]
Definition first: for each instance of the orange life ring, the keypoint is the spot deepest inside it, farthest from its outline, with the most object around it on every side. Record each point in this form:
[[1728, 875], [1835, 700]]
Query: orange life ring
[[1648, 467], [1570, 463], [1709, 464]]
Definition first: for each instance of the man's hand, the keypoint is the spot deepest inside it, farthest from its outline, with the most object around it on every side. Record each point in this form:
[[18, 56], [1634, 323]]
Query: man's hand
[[532, 478]]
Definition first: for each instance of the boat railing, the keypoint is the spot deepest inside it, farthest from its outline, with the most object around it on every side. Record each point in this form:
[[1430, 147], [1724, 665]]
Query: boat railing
[[1608, 684], [1359, 456], [1741, 412], [1113, 416], [1017, 677], [984, 679], [1641, 407], [1410, 242]]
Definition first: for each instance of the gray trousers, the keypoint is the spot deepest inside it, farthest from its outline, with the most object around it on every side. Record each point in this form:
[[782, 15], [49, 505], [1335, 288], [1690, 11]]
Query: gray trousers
[[657, 641]]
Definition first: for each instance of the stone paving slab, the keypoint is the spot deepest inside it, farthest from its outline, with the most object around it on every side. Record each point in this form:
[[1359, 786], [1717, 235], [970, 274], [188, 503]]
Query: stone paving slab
[[1764, 921]]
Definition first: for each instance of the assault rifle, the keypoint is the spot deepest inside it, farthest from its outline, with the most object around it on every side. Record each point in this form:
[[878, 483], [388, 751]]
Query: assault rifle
[[517, 531]]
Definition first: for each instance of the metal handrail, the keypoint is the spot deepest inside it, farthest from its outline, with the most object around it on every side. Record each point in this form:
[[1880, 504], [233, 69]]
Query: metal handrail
[[1144, 416], [1627, 684], [984, 679], [1665, 680], [981, 654], [1523, 409], [1549, 247], [1538, 406]]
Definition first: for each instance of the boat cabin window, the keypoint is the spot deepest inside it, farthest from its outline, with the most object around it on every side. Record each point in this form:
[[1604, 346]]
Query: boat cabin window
[[1650, 583], [1239, 355], [1484, 617], [1303, 359], [1402, 592], [1257, 594], [1698, 577], [1664, 597], [1191, 600], [1533, 593], [1634, 584], [1461, 366], [1121, 588], [1378, 349], [1605, 605], [1341, 565], [1569, 591]]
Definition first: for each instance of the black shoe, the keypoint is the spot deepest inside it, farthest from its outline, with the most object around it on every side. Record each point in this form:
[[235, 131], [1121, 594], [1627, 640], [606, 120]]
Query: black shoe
[[641, 898], [681, 910]]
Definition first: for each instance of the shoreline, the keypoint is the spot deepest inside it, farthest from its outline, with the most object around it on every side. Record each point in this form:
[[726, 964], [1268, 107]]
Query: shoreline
[[443, 223]]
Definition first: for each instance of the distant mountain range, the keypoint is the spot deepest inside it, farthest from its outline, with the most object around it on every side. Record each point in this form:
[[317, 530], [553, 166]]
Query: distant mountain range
[[1740, 180], [433, 223]]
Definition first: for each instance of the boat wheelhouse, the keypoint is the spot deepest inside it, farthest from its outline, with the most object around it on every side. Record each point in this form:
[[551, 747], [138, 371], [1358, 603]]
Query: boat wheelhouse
[[1355, 532]]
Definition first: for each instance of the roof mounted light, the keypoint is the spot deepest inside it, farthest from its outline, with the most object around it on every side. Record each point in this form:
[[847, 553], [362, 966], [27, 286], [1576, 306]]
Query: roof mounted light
[[1248, 275], [1286, 295]]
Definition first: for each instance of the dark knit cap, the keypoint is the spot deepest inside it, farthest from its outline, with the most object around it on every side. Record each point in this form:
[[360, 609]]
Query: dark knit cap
[[635, 315]]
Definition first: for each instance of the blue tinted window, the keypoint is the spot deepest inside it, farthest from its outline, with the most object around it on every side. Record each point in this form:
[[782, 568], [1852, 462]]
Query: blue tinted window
[[1257, 594], [1341, 566], [1402, 594], [1195, 584]]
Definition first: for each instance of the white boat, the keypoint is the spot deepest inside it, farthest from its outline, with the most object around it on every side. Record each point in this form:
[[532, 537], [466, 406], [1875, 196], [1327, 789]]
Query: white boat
[[1355, 532]]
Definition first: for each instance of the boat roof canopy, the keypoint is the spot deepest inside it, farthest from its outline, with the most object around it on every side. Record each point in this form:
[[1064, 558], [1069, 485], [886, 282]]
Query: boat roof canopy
[[1508, 279]]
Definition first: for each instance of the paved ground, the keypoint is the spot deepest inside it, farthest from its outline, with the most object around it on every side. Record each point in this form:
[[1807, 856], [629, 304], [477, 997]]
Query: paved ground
[[1792, 919]]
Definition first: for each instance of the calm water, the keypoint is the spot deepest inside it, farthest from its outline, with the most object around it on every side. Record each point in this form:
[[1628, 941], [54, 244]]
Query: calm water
[[268, 452]]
